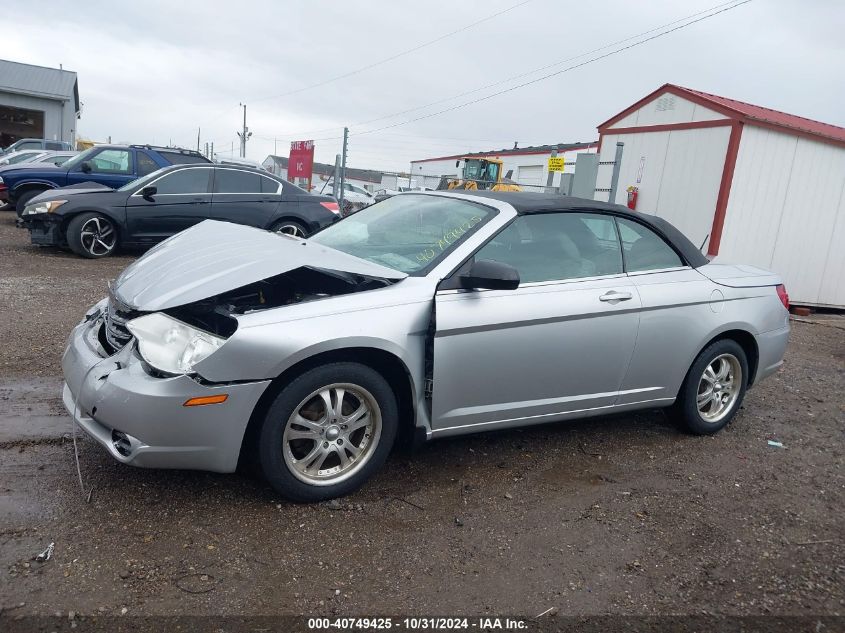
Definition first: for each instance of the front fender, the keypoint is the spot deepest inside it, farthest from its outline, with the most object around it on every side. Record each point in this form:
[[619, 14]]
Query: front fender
[[266, 350]]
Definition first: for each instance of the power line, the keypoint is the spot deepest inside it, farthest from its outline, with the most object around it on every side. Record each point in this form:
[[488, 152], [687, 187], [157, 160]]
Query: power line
[[396, 55], [550, 75], [721, 6], [546, 67]]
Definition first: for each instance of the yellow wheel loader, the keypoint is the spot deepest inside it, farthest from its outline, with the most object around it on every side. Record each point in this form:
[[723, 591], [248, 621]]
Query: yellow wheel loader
[[479, 173]]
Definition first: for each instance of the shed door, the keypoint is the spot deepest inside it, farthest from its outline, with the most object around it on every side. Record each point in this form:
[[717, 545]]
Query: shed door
[[530, 175]]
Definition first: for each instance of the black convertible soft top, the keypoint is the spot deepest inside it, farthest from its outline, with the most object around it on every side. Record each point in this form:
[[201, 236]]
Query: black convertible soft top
[[526, 203]]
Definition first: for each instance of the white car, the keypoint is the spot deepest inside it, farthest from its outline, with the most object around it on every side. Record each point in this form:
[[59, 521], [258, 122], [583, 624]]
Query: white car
[[240, 162], [23, 156], [355, 197]]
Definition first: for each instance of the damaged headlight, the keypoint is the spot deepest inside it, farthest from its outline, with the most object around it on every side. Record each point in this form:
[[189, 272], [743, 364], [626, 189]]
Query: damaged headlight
[[170, 345], [43, 207]]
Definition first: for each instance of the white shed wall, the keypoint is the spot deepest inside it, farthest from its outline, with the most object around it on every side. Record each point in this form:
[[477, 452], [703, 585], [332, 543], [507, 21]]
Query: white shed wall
[[667, 109], [786, 212], [681, 173]]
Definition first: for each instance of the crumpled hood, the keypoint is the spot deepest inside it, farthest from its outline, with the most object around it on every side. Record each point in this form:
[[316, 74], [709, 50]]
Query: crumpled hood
[[214, 257]]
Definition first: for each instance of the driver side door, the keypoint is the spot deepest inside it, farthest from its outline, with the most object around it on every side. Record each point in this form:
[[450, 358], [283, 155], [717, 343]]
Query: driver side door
[[558, 344], [182, 199]]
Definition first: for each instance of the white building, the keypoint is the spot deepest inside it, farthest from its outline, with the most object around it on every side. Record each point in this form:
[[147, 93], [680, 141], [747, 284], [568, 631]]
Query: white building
[[528, 164], [754, 185], [37, 102]]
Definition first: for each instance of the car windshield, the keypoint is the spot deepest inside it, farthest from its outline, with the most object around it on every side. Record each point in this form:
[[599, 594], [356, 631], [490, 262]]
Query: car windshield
[[409, 233], [140, 182], [76, 160]]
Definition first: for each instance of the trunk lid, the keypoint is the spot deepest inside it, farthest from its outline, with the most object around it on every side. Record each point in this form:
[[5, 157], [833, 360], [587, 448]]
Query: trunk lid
[[214, 257], [739, 275]]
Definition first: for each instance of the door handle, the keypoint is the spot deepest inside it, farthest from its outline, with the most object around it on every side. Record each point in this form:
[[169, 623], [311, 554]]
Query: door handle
[[612, 296]]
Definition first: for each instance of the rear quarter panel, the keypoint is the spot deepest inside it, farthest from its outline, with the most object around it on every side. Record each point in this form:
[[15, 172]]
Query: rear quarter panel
[[684, 310]]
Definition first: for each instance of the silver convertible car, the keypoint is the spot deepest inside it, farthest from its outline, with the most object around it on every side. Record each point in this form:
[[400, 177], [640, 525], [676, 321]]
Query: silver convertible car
[[426, 315]]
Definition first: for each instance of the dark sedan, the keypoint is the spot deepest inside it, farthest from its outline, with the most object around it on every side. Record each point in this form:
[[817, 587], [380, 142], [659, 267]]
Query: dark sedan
[[94, 220]]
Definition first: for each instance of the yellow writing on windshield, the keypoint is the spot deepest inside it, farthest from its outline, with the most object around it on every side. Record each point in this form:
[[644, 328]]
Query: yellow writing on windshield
[[448, 238]]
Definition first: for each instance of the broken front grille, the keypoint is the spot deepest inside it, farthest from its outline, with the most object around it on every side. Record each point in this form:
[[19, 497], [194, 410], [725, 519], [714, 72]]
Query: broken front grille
[[117, 335]]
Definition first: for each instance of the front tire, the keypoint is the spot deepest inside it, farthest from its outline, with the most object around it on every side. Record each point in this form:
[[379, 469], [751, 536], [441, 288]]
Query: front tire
[[713, 389], [91, 235], [328, 432], [24, 198]]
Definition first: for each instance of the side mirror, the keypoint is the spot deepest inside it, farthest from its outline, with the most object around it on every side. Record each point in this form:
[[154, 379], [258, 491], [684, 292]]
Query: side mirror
[[457, 163], [486, 274], [148, 192], [86, 167]]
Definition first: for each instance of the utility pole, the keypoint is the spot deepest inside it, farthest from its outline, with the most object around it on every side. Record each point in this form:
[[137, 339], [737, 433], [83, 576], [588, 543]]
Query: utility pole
[[343, 168], [198, 139], [245, 134], [336, 177], [212, 151], [206, 149]]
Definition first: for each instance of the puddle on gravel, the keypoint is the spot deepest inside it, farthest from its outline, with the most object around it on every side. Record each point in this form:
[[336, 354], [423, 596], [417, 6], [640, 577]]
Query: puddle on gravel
[[32, 410]]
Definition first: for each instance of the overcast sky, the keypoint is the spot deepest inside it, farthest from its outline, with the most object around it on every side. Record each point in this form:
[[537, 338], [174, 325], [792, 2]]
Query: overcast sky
[[152, 72]]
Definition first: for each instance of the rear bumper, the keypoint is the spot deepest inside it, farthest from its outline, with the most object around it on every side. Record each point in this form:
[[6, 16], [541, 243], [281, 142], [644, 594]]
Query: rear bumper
[[114, 398], [771, 347]]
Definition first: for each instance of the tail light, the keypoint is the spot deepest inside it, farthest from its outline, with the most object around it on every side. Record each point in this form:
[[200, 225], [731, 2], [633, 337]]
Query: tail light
[[331, 206], [783, 296]]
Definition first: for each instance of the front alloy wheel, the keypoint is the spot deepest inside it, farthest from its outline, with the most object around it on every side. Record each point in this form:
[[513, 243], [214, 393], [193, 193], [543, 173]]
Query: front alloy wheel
[[331, 434], [92, 235], [327, 431]]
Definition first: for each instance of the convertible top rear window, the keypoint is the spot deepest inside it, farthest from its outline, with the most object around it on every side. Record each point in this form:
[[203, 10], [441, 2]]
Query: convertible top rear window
[[409, 233]]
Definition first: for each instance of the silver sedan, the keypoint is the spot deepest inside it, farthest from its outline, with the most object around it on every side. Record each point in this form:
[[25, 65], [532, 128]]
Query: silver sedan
[[426, 315]]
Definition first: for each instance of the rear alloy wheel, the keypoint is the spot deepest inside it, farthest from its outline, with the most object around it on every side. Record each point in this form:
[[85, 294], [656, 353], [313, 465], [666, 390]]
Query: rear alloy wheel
[[290, 227], [92, 235], [328, 432], [713, 389]]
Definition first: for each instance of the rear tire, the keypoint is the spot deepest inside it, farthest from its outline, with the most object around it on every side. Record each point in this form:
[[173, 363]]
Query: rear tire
[[328, 432], [290, 227], [713, 389], [24, 198], [91, 235]]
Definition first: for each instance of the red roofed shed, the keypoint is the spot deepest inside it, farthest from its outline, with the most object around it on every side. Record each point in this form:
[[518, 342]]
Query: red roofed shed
[[756, 185]]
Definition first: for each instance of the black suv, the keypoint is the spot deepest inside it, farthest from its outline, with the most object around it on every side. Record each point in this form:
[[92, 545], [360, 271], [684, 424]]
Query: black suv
[[94, 220]]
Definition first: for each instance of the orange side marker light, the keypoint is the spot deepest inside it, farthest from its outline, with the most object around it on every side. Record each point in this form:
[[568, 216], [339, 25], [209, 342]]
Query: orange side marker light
[[203, 400]]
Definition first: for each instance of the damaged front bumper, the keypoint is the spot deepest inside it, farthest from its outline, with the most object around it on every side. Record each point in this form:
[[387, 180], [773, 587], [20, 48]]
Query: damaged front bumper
[[141, 419], [44, 232]]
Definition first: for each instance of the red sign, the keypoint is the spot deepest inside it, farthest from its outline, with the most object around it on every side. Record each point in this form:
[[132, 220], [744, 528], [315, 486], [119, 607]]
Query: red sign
[[301, 161]]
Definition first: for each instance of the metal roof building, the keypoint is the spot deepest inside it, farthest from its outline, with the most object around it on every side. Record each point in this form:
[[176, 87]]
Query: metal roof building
[[37, 102], [754, 185]]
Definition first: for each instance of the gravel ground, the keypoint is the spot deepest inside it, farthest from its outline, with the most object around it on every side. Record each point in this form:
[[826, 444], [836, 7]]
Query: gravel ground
[[621, 515]]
